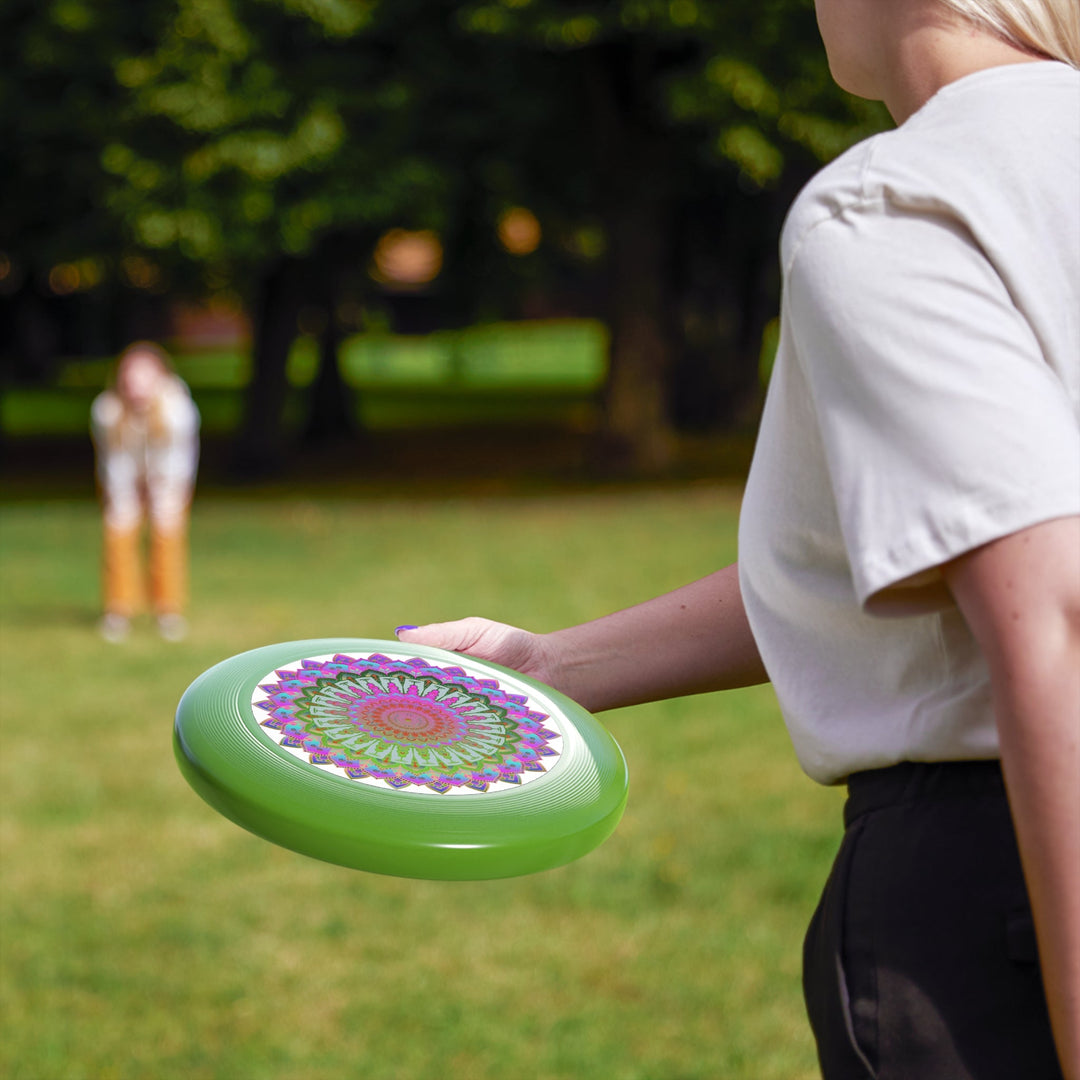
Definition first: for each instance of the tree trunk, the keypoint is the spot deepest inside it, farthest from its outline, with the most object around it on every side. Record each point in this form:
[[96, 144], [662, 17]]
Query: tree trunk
[[35, 337], [331, 415], [727, 283], [637, 426], [635, 191], [261, 446]]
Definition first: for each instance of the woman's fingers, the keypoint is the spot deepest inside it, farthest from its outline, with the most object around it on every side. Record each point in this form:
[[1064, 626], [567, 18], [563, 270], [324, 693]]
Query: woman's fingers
[[461, 635], [487, 640]]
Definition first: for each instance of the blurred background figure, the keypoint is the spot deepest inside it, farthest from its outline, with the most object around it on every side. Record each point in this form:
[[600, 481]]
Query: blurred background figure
[[146, 437]]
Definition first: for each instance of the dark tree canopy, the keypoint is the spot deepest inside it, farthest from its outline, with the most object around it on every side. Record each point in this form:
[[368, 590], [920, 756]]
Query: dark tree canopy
[[263, 146]]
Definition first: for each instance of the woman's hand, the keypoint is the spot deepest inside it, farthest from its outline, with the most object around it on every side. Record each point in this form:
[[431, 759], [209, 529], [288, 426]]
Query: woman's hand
[[501, 644]]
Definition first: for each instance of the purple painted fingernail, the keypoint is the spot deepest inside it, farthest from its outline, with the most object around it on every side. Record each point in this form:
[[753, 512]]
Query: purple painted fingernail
[[398, 629]]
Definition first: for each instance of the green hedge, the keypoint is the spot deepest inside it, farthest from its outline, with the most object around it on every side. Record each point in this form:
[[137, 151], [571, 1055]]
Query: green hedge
[[541, 371]]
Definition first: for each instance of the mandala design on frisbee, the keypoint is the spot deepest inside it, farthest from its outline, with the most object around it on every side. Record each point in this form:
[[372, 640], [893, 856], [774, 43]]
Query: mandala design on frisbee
[[407, 724]]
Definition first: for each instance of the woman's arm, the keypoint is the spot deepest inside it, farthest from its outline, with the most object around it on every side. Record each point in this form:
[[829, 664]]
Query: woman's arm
[[689, 641], [1021, 598]]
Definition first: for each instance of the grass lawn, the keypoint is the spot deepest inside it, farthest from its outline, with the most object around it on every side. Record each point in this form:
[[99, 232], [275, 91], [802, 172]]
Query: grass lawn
[[144, 936]]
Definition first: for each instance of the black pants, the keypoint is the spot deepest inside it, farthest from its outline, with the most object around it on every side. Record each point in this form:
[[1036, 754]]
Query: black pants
[[920, 961]]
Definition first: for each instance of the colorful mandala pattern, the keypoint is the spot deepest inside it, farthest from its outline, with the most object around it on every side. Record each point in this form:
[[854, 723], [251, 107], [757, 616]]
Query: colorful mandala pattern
[[407, 723]]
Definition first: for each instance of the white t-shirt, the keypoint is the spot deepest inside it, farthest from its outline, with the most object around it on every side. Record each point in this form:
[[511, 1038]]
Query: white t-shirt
[[925, 400], [146, 462]]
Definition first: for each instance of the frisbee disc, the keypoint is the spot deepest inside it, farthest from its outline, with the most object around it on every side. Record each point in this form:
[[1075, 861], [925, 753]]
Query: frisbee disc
[[400, 759]]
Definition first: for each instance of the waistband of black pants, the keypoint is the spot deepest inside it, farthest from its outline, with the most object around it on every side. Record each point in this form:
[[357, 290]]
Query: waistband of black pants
[[913, 781]]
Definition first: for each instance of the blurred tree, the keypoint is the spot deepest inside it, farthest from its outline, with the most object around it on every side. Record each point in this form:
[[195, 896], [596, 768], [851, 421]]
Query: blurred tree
[[59, 106], [698, 122], [272, 132], [261, 147], [294, 134]]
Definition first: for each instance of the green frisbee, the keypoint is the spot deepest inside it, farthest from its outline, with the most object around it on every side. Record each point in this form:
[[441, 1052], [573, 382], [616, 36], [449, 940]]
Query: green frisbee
[[400, 759]]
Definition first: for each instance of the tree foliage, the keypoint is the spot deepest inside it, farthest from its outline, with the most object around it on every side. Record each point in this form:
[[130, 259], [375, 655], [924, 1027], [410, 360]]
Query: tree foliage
[[263, 145]]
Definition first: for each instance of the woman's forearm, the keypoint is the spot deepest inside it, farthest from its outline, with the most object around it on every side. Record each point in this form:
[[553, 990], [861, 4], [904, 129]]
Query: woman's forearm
[[1039, 728], [689, 641]]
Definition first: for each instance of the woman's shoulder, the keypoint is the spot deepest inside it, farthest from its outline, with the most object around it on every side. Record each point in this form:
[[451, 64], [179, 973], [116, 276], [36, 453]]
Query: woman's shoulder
[[997, 142], [177, 408], [106, 411], [831, 192]]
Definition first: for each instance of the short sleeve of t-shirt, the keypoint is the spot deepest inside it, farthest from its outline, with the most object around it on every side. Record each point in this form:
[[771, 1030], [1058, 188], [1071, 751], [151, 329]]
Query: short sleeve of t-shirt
[[943, 426]]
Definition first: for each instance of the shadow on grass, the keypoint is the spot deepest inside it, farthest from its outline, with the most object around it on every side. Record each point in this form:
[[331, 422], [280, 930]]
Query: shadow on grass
[[48, 616], [414, 464]]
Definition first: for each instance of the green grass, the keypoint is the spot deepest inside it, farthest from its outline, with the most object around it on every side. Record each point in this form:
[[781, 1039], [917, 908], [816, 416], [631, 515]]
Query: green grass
[[144, 936]]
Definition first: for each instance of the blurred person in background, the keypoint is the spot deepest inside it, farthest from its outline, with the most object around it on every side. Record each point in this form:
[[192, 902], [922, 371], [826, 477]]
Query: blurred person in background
[[146, 437], [909, 549]]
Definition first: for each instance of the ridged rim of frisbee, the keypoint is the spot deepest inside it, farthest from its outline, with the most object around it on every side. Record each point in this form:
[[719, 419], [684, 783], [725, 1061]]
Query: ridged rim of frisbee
[[246, 776]]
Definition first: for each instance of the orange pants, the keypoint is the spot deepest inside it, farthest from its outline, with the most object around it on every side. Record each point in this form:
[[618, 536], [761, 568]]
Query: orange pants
[[124, 585]]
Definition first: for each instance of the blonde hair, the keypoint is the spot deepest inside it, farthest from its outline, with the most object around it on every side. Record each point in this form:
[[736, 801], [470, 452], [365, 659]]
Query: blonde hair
[[1048, 27]]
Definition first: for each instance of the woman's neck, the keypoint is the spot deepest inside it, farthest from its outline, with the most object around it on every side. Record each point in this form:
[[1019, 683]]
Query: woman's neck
[[930, 53]]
